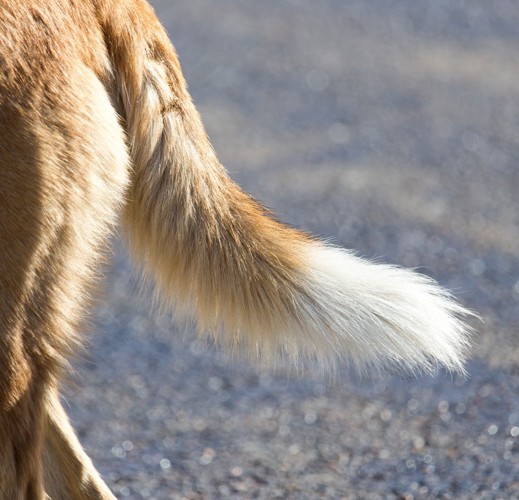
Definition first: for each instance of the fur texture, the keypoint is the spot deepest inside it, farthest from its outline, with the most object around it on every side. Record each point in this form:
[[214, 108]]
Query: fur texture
[[96, 120]]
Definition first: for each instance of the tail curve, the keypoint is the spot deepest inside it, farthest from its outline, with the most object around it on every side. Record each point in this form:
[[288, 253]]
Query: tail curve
[[249, 281]]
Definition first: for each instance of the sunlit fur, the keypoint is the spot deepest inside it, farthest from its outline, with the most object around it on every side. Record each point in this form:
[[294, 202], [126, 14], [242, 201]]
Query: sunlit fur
[[96, 122]]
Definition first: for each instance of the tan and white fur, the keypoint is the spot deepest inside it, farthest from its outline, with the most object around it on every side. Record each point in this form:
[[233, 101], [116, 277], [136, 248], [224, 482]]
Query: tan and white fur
[[96, 123]]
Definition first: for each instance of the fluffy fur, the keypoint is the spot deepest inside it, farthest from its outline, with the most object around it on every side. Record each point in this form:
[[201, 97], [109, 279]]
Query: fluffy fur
[[96, 120]]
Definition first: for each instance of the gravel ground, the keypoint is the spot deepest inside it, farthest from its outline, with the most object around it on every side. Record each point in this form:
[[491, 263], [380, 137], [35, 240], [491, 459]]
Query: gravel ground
[[390, 127]]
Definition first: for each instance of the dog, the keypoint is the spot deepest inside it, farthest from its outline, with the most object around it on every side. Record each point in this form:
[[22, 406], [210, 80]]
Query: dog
[[97, 125]]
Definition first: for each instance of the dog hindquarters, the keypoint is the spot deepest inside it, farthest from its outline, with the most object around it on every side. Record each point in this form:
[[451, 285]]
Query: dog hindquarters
[[63, 171]]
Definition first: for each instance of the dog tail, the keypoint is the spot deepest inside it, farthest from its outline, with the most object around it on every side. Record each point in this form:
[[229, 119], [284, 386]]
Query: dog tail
[[248, 281]]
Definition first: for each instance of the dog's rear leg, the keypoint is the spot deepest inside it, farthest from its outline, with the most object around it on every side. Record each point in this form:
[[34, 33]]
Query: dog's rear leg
[[69, 473], [21, 433], [63, 172]]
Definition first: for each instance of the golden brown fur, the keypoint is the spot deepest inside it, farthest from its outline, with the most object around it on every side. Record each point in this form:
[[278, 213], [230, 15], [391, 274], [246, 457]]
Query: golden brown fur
[[96, 120]]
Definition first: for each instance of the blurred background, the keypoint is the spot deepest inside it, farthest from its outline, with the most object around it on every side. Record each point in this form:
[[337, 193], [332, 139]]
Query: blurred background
[[390, 127]]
